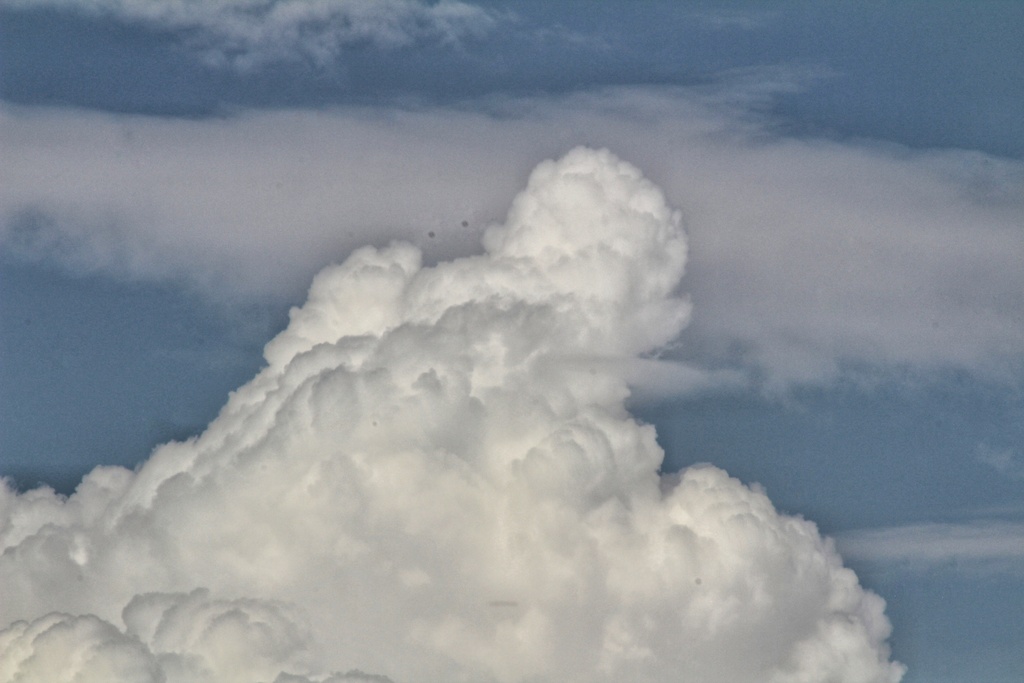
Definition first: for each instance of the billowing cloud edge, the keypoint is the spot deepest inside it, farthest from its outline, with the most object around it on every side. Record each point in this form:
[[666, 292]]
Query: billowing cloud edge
[[430, 480]]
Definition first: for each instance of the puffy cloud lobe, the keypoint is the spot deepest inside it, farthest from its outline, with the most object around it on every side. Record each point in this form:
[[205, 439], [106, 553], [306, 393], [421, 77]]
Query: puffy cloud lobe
[[60, 648], [198, 638], [168, 638], [435, 479]]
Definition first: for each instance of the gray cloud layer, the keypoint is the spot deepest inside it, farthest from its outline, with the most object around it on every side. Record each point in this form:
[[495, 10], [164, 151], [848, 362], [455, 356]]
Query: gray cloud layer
[[809, 256], [435, 479]]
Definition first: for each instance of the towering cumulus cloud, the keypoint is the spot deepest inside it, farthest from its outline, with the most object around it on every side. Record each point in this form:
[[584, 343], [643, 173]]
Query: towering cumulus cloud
[[435, 479]]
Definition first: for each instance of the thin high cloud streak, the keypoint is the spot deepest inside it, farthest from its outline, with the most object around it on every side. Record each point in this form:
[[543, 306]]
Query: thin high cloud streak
[[975, 546], [435, 479], [1007, 461], [811, 257], [248, 34]]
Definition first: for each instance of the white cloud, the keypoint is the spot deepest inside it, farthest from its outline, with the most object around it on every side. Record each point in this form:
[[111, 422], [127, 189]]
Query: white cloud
[[1006, 461], [61, 647], [168, 638], [435, 479], [980, 545], [808, 256], [247, 34]]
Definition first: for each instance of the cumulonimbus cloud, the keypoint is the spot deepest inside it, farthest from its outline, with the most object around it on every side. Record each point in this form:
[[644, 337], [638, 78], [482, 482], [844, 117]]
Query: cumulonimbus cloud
[[435, 479]]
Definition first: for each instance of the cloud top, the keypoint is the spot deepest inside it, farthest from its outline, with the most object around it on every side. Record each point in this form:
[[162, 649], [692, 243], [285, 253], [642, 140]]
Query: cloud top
[[435, 479]]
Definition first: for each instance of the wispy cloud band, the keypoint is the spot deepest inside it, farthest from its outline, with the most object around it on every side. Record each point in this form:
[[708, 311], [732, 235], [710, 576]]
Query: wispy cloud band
[[247, 34], [989, 544], [808, 256]]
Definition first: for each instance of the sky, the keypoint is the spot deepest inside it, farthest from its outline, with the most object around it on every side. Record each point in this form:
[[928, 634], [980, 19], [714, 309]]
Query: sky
[[511, 342]]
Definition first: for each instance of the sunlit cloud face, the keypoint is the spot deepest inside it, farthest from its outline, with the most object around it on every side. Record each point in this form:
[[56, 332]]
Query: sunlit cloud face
[[435, 479]]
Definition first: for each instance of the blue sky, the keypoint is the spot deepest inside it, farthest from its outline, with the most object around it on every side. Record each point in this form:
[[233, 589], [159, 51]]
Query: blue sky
[[850, 176]]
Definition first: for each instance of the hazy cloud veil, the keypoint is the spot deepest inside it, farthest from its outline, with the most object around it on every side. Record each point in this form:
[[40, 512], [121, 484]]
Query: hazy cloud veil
[[248, 34], [435, 479]]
